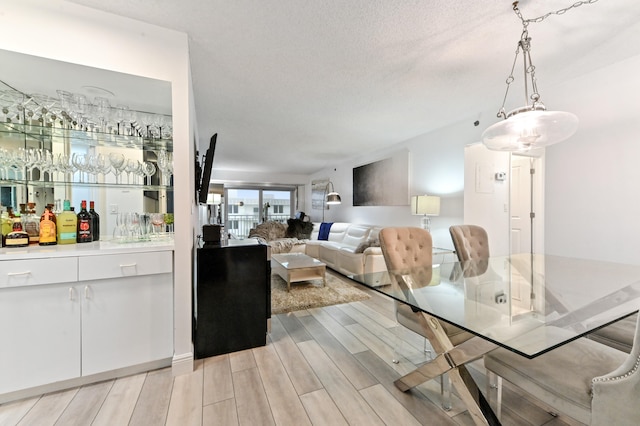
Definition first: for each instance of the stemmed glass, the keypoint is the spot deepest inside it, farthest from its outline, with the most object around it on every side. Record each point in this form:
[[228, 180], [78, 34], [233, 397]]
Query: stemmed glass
[[47, 164], [165, 165], [149, 169], [102, 109], [80, 163], [101, 166], [32, 159], [117, 162], [64, 166], [157, 220], [131, 167], [18, 163]]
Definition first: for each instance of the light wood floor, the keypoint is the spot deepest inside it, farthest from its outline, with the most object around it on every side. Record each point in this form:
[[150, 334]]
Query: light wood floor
[[326, 366]]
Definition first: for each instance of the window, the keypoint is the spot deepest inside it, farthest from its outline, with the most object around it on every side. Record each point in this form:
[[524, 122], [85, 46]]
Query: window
[[258, 204]]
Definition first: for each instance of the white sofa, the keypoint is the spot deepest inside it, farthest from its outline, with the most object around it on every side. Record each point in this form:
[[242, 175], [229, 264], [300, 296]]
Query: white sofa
[[351, 249]]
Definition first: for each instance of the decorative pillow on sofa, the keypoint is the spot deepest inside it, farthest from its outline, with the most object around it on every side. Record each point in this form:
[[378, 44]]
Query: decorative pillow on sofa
[[365, 245], [299, 229]]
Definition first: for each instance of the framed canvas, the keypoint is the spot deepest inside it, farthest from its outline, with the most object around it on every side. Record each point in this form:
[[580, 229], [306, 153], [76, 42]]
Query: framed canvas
[[382, 183]]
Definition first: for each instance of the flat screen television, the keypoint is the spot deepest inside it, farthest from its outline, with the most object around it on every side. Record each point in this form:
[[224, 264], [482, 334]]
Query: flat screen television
[[206, 170]]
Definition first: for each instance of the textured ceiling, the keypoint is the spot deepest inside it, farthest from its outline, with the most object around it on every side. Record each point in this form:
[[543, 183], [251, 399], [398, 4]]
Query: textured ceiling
[[337, 78]]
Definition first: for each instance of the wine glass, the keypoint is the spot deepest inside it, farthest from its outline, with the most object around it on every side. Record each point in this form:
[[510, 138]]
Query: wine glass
[[102, 108], [148, 169], [165, 166], [64, 166], [117, 162], [130, 167], [79, 162], [101, 166], [157, 220]]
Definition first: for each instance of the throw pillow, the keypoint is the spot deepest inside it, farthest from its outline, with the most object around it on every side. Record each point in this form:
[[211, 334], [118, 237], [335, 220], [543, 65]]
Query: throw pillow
[[366, 244], [299, 229]]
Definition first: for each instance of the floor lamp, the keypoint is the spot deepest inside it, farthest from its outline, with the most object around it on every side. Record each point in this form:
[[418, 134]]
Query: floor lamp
[[330, 198], [425, 205]]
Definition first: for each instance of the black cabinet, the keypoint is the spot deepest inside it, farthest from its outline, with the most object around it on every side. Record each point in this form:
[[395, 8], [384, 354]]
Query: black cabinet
[[232, 299]]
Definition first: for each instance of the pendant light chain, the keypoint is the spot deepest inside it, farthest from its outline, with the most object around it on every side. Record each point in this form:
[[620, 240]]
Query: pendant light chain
[[525, 22], [529, 68]]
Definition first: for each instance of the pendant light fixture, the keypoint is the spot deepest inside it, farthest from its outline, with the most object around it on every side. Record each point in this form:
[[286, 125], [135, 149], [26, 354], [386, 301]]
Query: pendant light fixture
[[530, 126]]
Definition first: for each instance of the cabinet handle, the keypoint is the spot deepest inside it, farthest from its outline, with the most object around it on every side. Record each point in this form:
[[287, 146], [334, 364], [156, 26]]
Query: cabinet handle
[[17, 274], [71, 294], [86, 292], [129, 265]]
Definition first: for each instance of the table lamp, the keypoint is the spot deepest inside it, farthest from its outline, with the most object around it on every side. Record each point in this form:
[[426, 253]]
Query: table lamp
[[426, 205]]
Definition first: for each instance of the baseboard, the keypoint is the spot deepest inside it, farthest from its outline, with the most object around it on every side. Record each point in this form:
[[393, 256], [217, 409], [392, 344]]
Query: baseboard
[[83, 380], [182, 364]]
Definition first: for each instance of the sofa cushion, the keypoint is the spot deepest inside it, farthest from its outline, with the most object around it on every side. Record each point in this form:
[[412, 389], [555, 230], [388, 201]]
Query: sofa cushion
[[355, 234]]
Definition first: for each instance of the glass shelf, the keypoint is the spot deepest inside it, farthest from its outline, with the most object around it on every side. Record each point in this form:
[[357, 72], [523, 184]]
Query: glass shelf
[[112, 185], [85, 137]]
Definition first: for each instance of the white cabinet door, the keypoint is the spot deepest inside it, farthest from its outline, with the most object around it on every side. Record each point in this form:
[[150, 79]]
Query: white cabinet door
[[126, 321], [40, 335]]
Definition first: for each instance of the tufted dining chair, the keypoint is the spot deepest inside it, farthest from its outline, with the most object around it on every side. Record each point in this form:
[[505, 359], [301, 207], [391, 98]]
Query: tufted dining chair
[[410, 249], [588, 381], [470, 242]]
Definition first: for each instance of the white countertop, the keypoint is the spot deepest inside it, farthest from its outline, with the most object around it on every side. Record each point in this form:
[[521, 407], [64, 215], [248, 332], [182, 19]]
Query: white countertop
[[83, 249]]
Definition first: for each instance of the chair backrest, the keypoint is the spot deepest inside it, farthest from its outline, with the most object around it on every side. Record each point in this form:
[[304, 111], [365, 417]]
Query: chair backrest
[[407, 249], [471, 242]]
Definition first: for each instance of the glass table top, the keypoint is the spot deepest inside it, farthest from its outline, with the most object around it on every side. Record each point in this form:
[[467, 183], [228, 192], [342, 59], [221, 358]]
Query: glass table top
[[526, 303]]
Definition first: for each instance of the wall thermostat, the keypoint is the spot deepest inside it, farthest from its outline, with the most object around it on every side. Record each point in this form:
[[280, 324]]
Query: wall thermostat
[[501, 176]]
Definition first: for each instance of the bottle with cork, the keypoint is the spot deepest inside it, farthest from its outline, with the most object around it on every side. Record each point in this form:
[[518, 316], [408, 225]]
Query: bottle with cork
[[84, 232], [48, 234]]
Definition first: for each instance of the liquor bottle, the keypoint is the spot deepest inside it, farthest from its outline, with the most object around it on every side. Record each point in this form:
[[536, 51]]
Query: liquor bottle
[[32, 224], [84, 233], [6, 225], [17, 237], [96, 221], [67, 225], [48, 227]]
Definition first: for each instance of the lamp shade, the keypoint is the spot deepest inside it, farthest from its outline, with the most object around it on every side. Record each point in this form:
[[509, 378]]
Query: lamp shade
[[425, 205], [523, 131], [333, 198]]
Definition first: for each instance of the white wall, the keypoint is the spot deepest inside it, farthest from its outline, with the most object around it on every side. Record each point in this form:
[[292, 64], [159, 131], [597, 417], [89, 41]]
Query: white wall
[[67, 32], [436, 167], [592, 197], [486, 200]]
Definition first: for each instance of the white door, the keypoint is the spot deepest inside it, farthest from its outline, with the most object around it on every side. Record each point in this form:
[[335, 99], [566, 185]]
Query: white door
[[521, 204], [40, 329], [526, 199], [126, 321]]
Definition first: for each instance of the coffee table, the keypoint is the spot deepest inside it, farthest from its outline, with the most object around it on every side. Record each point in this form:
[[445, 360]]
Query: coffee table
[[296, 267]]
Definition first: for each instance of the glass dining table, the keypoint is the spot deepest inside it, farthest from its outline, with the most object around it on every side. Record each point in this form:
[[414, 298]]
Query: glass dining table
[[527, 303]]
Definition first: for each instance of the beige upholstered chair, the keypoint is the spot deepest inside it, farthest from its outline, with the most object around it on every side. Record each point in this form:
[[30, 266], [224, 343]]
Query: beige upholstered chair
[[618, 335], [470, 242], [411, 249], [588, 381]]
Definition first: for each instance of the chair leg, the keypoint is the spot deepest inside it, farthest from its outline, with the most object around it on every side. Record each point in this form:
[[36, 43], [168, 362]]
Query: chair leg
[[396, 353], [494, 382], [445, 391]]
